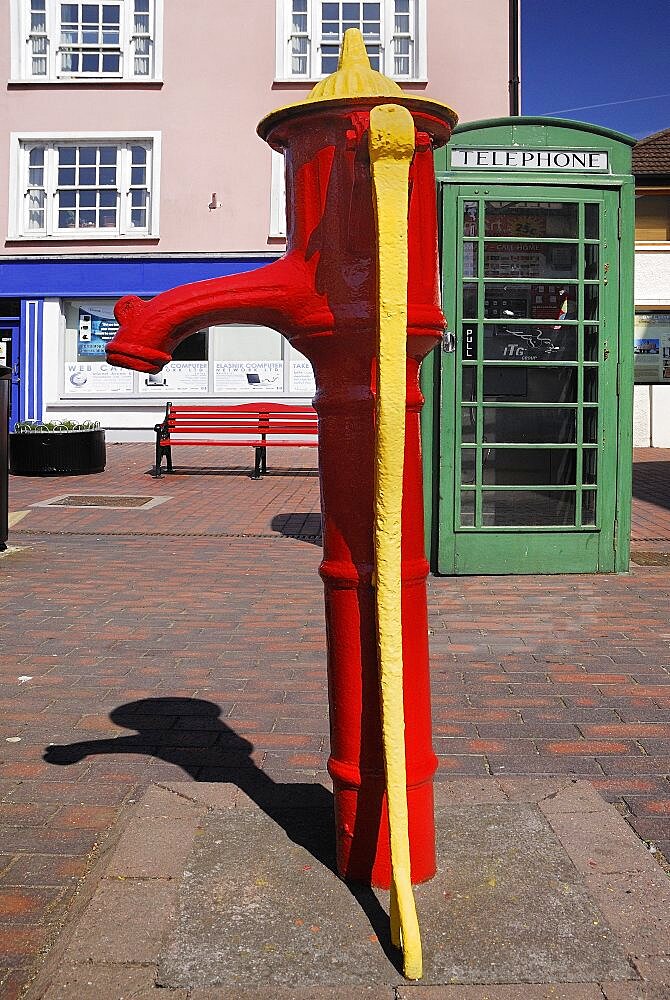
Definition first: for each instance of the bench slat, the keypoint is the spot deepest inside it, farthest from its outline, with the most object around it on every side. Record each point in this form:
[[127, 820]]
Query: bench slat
[[254, 425]]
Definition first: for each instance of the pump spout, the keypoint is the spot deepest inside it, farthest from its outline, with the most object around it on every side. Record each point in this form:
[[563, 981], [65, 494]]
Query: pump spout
[[278, 295]]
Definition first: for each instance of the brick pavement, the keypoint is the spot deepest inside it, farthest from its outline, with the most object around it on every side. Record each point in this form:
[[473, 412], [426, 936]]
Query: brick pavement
[[127, 637]]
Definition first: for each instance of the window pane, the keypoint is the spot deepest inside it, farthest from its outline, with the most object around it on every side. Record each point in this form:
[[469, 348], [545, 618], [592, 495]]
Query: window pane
[[517, 218], [519, 508], [470, 259], [111, 13], [524, 425], [87, 154], [470, 214], [87, 175], [67, 199], [90, 13], [107, 218], [138, 218], [66, 175], [107, 175], [529, 385], [529, 467], [107, 199], [591, 221], [138, 175], [67, 154], [66, 220], [87, 219], [541, 301], [589, 507], [36, 157], [652, 216], [87, 199], [139, 154], [506, 342], [111, 63], [530, 260]]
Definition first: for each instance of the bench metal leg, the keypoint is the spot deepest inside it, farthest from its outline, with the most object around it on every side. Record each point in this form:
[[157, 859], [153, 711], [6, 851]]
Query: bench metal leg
[[160, 451], [159, 459], [259, 463]]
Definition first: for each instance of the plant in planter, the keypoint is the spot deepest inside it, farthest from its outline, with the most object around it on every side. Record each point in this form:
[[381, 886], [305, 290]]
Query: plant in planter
[[56, 448]]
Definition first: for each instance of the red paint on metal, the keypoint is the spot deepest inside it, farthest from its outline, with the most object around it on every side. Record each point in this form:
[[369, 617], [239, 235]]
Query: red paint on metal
[[322, 296]]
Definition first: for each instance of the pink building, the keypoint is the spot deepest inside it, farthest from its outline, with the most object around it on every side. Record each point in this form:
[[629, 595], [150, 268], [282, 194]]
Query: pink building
[[132, 164]]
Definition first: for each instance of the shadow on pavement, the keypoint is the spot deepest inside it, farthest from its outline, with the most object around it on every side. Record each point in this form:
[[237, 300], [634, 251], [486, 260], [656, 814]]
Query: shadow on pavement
[[651, 483], [169, 729], [305, 526]]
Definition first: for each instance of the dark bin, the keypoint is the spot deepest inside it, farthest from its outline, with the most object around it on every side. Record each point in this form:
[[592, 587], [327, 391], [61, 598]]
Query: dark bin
[[57, 453]]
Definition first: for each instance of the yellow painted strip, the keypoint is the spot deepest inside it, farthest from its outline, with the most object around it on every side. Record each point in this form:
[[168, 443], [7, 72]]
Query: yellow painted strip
[[391, 144], [17, 516]]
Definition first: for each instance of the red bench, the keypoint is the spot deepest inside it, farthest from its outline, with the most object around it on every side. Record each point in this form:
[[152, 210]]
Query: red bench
[[258, 425]]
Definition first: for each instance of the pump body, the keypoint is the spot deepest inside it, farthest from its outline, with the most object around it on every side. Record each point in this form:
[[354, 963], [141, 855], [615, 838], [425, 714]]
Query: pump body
[[322, 296]]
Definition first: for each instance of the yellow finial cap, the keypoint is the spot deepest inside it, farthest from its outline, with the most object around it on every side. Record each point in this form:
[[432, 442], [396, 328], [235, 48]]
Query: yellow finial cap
[[354, 76]]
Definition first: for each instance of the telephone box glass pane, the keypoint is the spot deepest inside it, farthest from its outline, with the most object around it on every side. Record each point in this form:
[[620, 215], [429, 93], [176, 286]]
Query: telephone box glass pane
[[531, 260], [544, 342], [592, 221], [540, 219], [526, 508], [471, 218], [529, 467], [522, 425], [589, 507], [536, 301], [528, 385]]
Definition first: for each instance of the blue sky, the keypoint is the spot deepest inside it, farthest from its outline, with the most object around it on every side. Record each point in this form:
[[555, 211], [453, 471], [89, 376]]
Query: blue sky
[[609, 61]]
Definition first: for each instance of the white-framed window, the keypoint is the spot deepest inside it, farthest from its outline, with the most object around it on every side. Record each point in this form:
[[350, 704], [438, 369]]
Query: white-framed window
[[310, 32], [58, 42], [84, 187], [277, 197]]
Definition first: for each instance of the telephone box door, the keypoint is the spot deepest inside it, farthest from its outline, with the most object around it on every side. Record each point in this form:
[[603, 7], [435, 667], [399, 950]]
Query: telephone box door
[[528, 439]]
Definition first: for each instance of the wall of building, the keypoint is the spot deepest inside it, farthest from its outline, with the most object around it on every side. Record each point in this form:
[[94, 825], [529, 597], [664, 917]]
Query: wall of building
[[218, 82]]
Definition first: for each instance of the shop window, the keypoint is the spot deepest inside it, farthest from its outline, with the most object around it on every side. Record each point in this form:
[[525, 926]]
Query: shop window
[[74, 188], [310, 32], [64, 42], [226, 361], [652, 215]]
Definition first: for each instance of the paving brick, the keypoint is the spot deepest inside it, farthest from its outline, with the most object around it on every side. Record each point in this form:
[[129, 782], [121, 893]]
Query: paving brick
[[295, 993], [123, 923], [600, 843], [104, 982], [634, 991], [526, 991], [153, 848], [19, 945], [636, 906]]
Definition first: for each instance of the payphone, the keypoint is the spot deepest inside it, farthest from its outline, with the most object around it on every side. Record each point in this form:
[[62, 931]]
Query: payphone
[[527, 428]]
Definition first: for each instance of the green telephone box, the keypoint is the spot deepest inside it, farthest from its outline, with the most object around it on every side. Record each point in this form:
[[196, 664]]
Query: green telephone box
[[526, 430]]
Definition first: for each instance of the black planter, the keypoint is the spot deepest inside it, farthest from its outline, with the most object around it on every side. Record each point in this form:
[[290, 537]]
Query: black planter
[[57, 453]]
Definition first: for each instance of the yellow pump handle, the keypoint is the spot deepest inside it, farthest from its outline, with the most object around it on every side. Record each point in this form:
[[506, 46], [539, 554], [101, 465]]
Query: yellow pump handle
[[391, 146]]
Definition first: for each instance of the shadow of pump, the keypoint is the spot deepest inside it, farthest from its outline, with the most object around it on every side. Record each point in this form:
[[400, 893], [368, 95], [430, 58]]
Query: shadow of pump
[[175, 729]]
